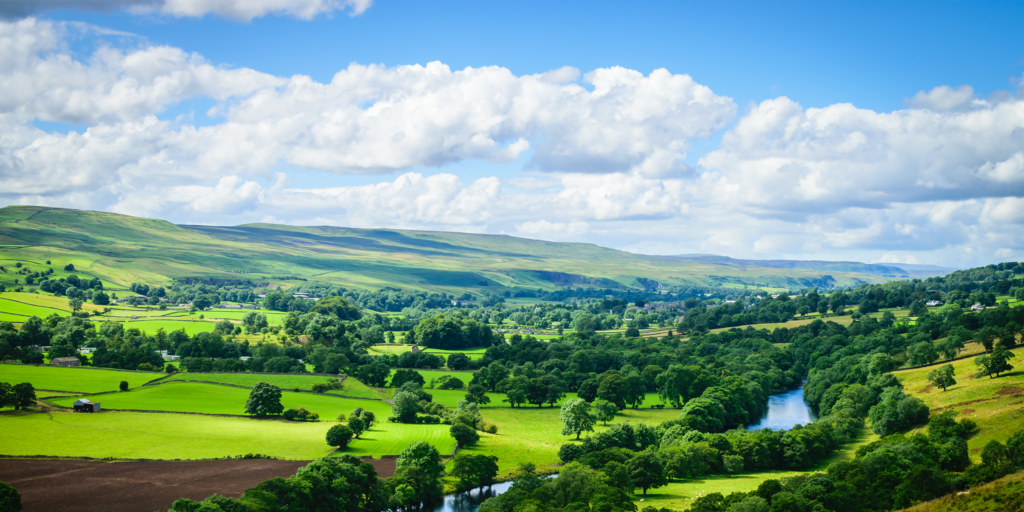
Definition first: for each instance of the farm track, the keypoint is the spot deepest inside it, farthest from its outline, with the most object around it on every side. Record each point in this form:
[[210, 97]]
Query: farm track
[[92, 486]]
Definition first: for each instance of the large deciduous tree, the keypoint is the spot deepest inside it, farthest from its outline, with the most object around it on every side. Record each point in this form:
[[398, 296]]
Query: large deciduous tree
[[576, 417], [264, 399]]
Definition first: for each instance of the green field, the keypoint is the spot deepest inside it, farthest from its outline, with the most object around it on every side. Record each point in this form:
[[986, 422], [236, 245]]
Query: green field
[[994, 403], [158, 436], [217, 399], [350, 387], [391, 438], [464, 376], [82, 380]]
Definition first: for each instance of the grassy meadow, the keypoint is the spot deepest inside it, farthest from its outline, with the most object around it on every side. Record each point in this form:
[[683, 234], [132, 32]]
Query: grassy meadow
[[995, 404], [79, 380], [158, 436], [217, 399], [350, 386]]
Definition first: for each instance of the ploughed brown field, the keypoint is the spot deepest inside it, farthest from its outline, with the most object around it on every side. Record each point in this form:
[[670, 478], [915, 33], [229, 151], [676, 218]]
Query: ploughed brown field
[[91, 486]]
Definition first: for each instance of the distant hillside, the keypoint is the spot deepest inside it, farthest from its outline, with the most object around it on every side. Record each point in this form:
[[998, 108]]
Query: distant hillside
[[891, 270], [124, 249]]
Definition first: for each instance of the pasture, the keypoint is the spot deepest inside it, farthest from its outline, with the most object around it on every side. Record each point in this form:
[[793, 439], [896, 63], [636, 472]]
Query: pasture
[[217, 399], [80, 380], [150, 327], [158, 436], [350, 386], [995, 404], [391, 438]]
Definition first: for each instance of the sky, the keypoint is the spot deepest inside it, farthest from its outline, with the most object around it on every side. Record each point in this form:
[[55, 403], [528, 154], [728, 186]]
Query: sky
[[860, 131]]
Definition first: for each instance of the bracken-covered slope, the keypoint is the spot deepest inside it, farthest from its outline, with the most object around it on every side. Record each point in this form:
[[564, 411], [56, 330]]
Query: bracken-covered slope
[[123, 249]]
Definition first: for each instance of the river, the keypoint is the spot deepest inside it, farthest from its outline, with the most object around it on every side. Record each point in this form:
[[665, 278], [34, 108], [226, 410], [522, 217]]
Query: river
[[468, 501], [785, 411]]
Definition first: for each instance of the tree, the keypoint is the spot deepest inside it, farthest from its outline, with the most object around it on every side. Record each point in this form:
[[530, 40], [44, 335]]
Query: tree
[[422, 455], [24, 395], [918, 308], [10, 499], [613, 388], [604, 411], [943, 376], [100, 299], [404, 375], [477, 394], [356, 424], [474, 470], [123, 386], [404, 406], [464, 435], [732, 463], [458, 361], [339, 435], [646, 470], [588, 390], [576, 418], [264, 399], [75, 304], [993, 364]]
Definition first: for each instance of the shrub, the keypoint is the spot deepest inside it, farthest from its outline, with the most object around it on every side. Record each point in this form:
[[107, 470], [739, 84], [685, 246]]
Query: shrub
[[321, 388], [300, 414], [123, 386], [339, 435], [464, 435], [10, 499], [146, 367], [492, 429]]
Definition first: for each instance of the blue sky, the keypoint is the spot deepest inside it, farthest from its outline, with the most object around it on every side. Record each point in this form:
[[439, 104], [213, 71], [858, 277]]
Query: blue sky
[[934, 179]]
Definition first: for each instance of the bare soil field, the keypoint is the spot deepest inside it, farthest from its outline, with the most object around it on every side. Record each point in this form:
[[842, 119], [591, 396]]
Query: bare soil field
[[91, 486]]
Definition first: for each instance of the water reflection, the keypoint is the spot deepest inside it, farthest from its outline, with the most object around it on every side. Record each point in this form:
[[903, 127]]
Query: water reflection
[[468, 501], [785, 411]]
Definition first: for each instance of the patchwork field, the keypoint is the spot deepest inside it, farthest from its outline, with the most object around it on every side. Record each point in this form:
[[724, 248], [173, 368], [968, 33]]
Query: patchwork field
[[350, 387], [996, 404], [391, 438], [217, 399], [81, 380], [158, 436]]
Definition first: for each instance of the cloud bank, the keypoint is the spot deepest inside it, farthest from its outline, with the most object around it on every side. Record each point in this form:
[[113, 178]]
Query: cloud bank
[[238, 10], [603, 153]]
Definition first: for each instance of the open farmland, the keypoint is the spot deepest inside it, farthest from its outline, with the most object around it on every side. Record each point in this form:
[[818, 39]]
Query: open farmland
[[995, 404], [158, 436], [79, 380], [391, 438], [350, 386], [218, 399]]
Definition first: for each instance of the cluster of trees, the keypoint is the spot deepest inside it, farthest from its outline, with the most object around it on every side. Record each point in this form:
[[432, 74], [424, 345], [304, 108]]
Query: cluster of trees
[[453, 332], [768, 310], [18, 396], [346, 484]]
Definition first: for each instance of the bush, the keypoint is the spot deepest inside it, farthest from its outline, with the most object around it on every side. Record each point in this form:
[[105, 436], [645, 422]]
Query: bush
[[339, 435], [146, 367], [464, 435], [300, 414], [321, 388], [10, 499], [170, 369], [570, 452], [492, 429], [123, 386]]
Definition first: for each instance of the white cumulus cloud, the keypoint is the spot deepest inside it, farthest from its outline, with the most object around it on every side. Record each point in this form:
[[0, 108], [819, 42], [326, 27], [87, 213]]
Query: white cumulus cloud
[[239, 10]]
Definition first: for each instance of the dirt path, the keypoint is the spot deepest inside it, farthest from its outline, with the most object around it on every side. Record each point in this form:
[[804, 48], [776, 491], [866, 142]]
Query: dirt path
[[90, 486]]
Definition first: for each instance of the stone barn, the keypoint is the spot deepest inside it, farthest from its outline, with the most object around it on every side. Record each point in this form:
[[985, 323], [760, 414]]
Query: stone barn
[[65, 361]]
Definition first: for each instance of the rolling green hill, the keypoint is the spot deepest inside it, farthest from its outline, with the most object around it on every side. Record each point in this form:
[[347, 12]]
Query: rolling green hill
[[120, 249]]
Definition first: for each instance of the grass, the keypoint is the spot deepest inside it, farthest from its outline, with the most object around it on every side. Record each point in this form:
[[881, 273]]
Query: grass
[[350, 387], [428, 375], [996, 404], [158, 436], [152, 326], [83, 380], [529, 434], [1004, 494], [391, 438], [217, 399]]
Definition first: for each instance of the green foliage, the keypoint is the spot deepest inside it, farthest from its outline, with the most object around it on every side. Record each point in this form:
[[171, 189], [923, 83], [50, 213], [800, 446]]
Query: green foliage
[[339, 436], [464, 435], [604, 411], [473, 470], [576, 418], [264, 399], [943, 376], [646, 470], [10, 499]]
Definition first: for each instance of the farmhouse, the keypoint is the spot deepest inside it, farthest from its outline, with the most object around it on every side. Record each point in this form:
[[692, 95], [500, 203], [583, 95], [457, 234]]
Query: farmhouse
[[65, 361], [977, 307], [83, 405], [933, 303]]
